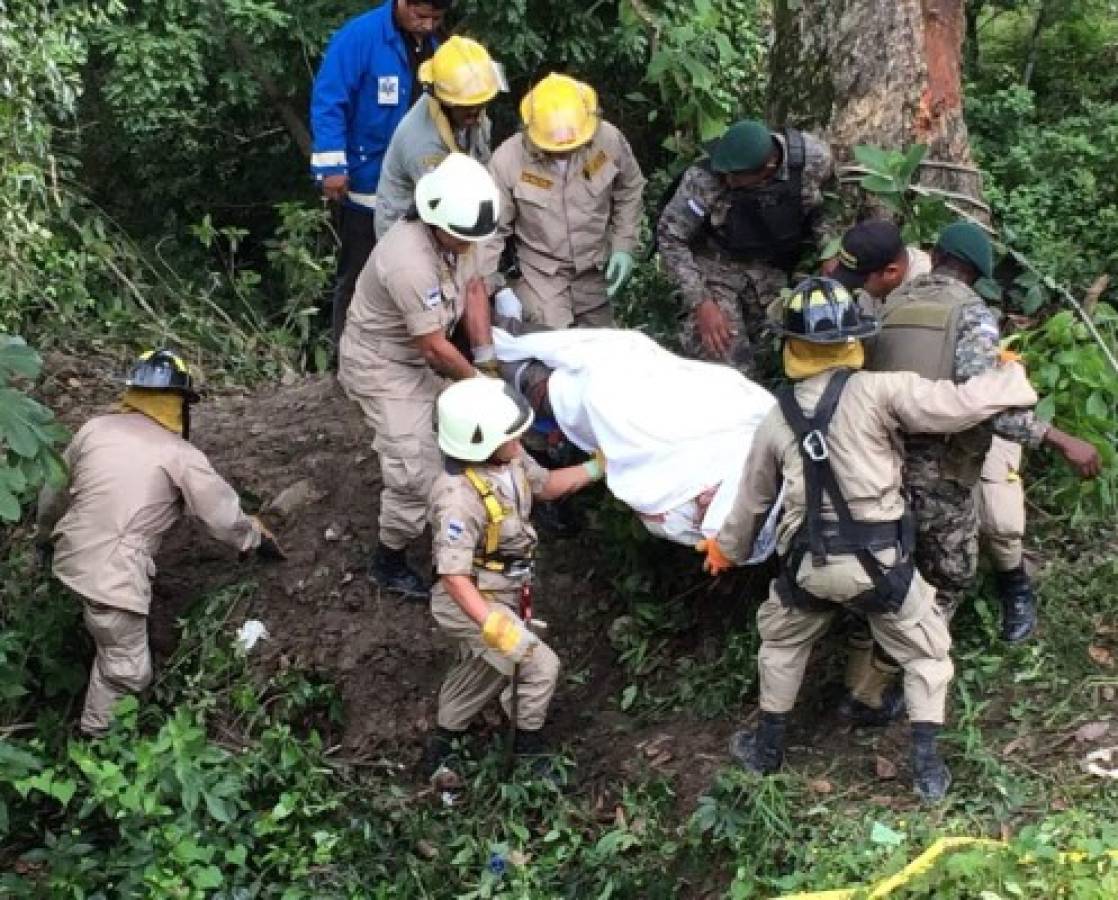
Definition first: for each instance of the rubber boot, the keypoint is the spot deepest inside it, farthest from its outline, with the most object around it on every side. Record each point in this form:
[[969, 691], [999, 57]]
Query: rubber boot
[[390, 570], [930, 776], [761, 751], [1018, 605]]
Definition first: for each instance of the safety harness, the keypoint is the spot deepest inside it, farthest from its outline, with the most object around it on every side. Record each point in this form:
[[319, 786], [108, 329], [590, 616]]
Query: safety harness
[[495, 513], [846, 536]]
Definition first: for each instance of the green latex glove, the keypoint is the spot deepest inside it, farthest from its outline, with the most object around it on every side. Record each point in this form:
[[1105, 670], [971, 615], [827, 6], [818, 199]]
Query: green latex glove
[[619, 270]]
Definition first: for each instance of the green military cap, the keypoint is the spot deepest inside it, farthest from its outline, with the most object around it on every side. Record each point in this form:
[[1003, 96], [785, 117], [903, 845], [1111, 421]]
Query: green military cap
[[969, 243], [745, 147]]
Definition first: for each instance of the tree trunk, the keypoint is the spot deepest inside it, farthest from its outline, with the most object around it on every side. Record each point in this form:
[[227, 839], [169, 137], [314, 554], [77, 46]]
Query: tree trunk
[[1034, 44], [882, 72]]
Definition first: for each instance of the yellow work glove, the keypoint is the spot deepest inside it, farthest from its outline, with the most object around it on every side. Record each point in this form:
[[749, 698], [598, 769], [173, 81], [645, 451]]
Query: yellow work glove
[[507, 636], [716, 562]]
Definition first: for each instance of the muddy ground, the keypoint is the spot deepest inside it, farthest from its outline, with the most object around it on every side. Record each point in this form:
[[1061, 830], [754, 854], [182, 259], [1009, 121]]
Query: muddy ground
[[306, 446]]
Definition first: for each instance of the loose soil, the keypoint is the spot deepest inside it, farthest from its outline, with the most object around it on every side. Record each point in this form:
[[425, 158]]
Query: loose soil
[[386, 655]]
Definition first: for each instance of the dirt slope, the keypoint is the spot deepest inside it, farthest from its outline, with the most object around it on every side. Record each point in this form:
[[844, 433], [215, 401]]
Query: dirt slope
[[307, 445]]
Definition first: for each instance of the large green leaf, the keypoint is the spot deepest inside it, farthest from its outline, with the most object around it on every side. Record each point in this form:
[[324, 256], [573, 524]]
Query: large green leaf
[[16, 358]]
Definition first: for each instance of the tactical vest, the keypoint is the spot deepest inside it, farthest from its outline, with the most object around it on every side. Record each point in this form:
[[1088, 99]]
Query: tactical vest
[[844, 536], [919, 334], [768, 223], [490, 558]]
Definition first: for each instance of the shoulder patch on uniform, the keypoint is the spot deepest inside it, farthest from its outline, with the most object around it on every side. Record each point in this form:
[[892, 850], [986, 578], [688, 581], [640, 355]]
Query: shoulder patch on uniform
[[696, 207], [595, 164], [536, 180], [433, 297], [454, 530]]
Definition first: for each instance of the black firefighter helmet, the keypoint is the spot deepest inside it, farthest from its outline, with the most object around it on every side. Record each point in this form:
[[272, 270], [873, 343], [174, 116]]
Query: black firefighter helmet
[[162, 370], [822, 311]]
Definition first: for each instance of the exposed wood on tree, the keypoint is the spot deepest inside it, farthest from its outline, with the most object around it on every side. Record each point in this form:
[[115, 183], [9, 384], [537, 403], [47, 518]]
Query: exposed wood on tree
[[880, 72]]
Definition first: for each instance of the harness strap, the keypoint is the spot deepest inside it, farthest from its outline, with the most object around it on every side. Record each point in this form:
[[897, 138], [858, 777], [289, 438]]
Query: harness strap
[[797, 149], [811, 434], [494, 511], [812, 437]]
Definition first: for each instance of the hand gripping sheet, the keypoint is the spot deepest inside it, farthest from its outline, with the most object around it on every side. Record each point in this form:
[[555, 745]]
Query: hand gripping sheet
[[669, 427]]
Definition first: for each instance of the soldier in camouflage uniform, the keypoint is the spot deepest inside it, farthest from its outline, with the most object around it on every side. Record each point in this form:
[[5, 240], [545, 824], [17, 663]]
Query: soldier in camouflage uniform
[[733, 231], [937, 326]]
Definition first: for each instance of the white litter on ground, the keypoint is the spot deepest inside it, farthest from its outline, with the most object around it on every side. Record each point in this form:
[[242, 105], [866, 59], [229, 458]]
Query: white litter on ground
[[250, 632]]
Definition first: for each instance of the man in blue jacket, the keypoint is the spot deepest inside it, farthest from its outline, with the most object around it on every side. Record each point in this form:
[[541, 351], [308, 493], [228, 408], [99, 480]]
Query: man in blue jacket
[[365, 85]]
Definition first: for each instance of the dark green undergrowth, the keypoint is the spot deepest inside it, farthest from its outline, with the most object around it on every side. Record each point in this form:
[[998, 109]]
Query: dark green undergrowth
[[225, 782]]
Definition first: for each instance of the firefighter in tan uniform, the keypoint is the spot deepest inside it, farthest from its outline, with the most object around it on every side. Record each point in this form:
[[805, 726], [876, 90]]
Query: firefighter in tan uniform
[[571, 200], [396, 355], [483, 547], [845, 539], [131, 474]]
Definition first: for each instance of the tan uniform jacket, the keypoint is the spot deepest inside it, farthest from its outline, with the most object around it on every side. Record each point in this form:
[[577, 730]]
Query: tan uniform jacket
[[864, 441], [408, 288], [459, 520], [568, 221], [130, 480]]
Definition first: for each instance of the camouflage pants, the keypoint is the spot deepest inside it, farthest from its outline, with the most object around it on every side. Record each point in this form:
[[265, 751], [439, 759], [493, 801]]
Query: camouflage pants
[[946, 539], [742, 291]]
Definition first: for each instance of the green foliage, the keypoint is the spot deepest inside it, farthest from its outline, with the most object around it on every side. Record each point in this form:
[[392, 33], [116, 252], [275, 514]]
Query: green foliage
[[1079, 392], [28, 432], [890, 176], [1051, 183]]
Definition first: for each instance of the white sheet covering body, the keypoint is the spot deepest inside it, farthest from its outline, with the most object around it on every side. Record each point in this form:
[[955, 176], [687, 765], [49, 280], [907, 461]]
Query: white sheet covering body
[[669, 427]]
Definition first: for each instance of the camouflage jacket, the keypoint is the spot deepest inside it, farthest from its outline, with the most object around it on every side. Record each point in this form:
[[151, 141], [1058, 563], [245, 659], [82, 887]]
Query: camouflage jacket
[[702, 197]]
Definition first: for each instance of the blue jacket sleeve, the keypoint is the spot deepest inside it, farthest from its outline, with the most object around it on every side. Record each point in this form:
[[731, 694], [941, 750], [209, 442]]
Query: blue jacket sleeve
[[332, 100]]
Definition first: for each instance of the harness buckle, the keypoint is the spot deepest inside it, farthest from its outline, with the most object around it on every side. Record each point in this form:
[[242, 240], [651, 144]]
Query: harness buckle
[[815, 445], [520, 568]]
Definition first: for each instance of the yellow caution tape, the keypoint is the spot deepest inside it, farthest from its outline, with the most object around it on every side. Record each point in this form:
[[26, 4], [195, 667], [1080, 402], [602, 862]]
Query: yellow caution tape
[[919, 866]]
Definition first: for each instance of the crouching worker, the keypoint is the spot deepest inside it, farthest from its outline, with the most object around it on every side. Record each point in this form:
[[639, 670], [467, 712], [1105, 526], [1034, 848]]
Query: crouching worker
[[483, 546], [846, 540], [131, 474]]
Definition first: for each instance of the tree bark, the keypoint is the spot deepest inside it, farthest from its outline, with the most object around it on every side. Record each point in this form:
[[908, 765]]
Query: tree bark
[[882, 72]]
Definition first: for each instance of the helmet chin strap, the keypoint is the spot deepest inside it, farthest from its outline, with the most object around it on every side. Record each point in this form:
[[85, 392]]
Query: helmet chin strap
[[185, 419]]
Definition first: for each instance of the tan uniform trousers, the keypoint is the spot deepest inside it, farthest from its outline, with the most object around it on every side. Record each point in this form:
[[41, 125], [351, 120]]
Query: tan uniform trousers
[[481, 673], [401, 412], [916, 636], [564, 299], [1000, 499], [122, 665]]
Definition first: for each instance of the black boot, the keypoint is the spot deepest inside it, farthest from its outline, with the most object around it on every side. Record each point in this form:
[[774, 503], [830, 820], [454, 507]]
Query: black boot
[[930, 776], [1018, 605], [862, 715], [761, 751], [440, 752], [390, 570]]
